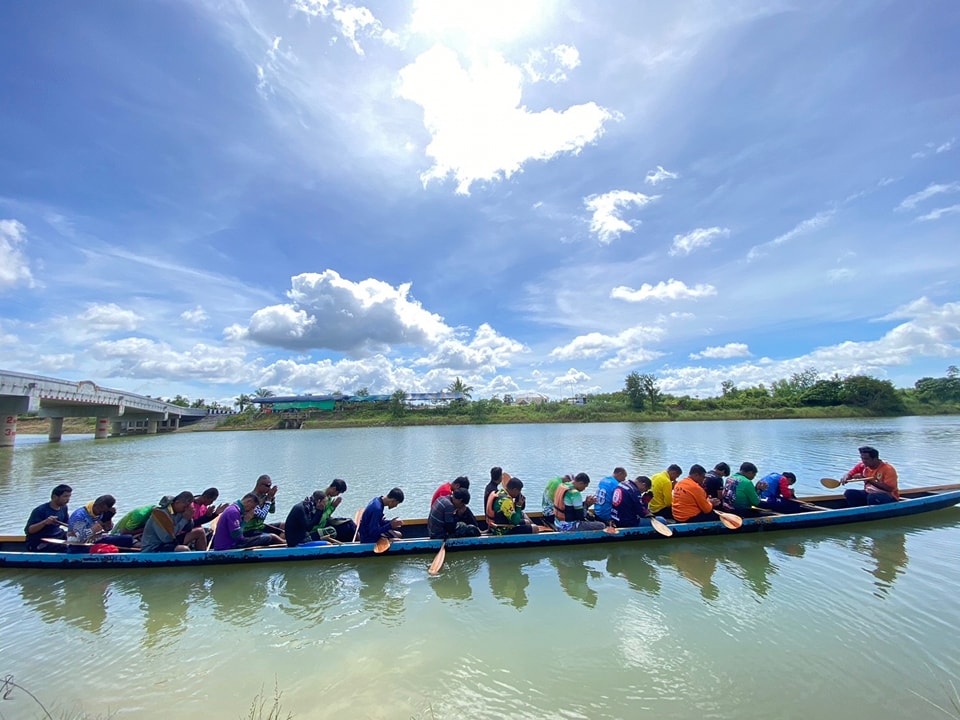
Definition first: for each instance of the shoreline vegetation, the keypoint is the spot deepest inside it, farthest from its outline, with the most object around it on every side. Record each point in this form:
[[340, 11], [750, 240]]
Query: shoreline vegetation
[[804, 395]]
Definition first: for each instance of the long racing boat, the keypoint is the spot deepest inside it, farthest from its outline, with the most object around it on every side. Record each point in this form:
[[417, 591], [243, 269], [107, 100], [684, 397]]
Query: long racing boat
[[820, 511]]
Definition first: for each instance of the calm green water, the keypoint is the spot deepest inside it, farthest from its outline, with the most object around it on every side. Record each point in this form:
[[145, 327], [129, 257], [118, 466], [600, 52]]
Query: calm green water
[[857, 622]]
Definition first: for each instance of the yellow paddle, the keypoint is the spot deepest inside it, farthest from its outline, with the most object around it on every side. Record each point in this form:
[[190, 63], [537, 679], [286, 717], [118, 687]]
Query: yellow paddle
[[438, 560]]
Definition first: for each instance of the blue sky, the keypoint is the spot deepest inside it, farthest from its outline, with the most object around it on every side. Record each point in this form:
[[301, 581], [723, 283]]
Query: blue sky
[[209, 197]]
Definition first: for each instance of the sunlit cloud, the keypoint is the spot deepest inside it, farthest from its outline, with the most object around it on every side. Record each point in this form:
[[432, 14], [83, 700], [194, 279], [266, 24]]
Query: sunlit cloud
[[479, 128]]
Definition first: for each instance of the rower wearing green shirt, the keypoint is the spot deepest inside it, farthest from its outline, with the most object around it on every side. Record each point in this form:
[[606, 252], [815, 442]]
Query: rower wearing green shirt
[[740, 493]]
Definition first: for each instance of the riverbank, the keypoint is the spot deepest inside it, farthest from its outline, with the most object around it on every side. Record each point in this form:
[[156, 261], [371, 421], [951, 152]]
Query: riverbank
[[502, 415]]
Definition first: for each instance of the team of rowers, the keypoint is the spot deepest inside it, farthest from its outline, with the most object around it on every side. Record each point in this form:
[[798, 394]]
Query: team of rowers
[[177, 523]]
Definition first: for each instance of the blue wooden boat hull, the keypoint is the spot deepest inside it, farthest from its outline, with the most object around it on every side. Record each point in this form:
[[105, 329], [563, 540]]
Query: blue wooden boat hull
[[917, 501]]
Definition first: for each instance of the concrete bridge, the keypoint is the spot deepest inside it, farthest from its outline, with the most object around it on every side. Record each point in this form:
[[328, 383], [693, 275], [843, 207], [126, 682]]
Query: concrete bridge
[[116, 411]]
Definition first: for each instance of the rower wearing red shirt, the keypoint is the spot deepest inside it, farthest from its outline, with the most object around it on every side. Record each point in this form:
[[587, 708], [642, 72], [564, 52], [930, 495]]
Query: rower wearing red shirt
[[461, 483]]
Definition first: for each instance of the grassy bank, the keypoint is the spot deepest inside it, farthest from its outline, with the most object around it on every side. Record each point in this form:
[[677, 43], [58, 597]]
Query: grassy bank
[[486, 413]]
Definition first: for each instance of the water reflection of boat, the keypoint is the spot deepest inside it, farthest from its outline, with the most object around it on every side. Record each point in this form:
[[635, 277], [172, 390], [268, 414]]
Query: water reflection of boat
[[509, 579], [751, 563], [380, 591], [833, 512], [698, 568], [82, 602], [639, 573], [573, 574], [455, 583]]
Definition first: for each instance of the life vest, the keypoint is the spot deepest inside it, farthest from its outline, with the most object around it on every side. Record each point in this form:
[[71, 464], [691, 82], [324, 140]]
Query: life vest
[[558, 507]]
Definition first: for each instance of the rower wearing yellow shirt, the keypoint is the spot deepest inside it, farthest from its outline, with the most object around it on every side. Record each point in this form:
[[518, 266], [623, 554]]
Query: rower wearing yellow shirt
[[661, 485]]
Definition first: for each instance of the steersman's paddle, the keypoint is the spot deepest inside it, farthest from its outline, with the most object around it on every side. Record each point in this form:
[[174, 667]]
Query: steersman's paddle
[[831, 483]]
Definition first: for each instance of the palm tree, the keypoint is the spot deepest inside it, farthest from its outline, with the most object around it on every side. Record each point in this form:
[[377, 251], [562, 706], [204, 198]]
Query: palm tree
[[242, 402], [263, 393], [459, 386]]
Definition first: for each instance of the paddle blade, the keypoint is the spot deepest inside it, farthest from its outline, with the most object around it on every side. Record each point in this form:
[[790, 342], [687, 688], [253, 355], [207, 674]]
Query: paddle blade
[[661, 527], [610, 530], [730, 521], [162, 518], [383, 544], [830, 483], [438, 560]]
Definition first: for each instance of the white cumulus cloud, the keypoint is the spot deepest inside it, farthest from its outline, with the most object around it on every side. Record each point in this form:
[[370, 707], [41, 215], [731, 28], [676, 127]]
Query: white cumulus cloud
[[196, 317], [669, 290], [723, 352], [109, 317], [699, 238], [606, 222], [328, 311], [478, 126], [627, 348], [485, 353]]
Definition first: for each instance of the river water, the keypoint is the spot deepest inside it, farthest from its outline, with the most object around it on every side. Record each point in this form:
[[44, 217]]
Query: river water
[[856, 622]]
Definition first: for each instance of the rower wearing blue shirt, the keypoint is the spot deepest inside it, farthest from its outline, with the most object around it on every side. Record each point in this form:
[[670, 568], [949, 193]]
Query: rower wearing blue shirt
[[603, 505], [628, 505], [374, 524]]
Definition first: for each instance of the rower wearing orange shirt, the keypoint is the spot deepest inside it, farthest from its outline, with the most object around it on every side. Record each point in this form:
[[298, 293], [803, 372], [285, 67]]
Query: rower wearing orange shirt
[[690, 501], [880, 482]]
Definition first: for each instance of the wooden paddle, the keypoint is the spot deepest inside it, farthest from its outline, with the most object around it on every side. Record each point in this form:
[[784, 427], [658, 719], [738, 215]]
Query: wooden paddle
[[356, 521], [162, 518], [661, 527], [831, 483], [729, 520], [383, 544], [438, 560]]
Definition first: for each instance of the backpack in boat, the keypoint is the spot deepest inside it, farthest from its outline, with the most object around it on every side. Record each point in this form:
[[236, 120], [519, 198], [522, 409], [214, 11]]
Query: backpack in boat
[[730, 491]]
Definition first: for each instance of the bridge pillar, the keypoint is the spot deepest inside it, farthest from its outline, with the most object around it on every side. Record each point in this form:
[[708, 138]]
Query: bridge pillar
[[116, 428], [151, 427], [176, 422], [8, 430], [56, 429], [103, 428]]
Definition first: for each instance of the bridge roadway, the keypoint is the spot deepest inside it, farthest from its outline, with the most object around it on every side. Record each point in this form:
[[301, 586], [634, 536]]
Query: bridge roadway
[[59, 399]]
